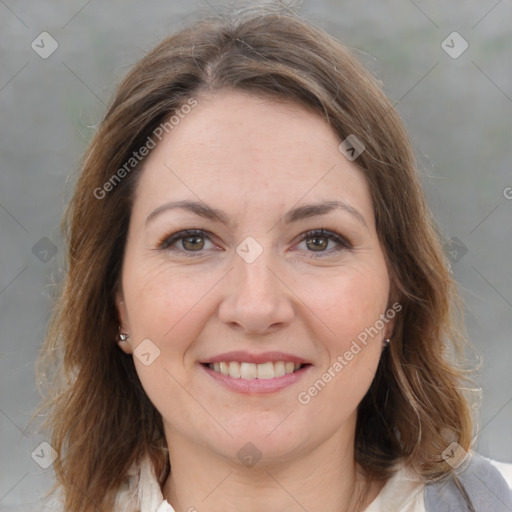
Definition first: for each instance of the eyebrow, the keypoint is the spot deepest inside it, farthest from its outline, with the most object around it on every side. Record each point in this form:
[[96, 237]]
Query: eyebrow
[[301, 212]]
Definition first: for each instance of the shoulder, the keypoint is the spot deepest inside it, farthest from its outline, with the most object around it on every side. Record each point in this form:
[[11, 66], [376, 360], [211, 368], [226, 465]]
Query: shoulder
[[483, 483]]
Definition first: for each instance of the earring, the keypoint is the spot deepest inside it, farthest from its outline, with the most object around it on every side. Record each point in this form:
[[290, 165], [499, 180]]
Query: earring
[[387, 341], [122, 335]]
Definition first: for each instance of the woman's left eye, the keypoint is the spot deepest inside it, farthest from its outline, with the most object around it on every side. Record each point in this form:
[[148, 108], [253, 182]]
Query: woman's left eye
[[194, 241], [317, 241]]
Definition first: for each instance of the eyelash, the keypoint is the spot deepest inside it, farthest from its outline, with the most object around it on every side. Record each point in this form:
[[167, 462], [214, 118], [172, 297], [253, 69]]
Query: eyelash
[[166, 243]]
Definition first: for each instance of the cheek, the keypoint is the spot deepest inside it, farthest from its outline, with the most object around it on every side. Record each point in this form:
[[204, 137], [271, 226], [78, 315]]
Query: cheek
[[169, 307], [348, 301], [351, 308], [159, 297], [350, 305]]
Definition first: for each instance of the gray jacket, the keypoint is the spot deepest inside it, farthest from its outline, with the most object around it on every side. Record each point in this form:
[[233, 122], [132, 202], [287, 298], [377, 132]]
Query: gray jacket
[[484, 484]]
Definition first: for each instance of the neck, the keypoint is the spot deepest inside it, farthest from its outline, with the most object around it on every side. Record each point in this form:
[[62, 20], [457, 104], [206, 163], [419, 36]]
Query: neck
[[326, 478]]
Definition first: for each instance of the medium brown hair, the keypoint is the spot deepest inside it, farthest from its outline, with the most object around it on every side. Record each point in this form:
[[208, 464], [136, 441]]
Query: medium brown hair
[[100, 418]]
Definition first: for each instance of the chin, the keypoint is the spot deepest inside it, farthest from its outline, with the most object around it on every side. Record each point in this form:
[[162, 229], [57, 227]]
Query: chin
[[268, 442]]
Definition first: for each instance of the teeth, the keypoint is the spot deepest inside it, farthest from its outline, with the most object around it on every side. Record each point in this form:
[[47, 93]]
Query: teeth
[[234, 369], [269, 370], [248, 371], [265, 370], [279, 368]]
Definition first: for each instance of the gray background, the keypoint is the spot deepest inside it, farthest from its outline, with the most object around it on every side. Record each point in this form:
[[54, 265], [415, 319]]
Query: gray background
[[458, 112]]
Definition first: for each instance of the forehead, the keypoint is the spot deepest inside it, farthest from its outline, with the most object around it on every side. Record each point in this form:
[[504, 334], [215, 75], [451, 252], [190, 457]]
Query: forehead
[[237, 147]]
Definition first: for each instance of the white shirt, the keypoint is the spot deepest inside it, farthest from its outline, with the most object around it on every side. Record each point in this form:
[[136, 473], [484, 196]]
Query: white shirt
[[403, 492]]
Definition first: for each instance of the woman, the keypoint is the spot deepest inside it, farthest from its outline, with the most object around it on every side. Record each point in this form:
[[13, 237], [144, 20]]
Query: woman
[[257, 313]]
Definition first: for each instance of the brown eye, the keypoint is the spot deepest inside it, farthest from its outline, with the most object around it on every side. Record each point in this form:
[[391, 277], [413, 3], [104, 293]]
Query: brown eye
[[188, 241], [317, 243], [192, 243]]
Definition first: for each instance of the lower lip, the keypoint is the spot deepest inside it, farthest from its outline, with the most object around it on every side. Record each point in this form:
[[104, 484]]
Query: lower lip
[[257, 386]]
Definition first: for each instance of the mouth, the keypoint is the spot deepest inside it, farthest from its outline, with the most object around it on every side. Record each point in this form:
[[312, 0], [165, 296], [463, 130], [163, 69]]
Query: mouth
[[251, 371], [255, 378]]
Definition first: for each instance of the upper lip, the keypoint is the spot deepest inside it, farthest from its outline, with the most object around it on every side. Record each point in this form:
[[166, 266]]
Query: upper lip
[[248, 357]]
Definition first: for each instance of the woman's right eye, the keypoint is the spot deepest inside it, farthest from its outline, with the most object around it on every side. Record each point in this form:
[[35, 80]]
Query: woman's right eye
[[187, 241]]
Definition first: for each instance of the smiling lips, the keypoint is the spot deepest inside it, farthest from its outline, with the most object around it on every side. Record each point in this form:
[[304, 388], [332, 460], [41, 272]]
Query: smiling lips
[[248, 371]]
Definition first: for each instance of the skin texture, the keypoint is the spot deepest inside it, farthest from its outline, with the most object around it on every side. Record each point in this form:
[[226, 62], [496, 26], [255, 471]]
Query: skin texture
[[255, 159]]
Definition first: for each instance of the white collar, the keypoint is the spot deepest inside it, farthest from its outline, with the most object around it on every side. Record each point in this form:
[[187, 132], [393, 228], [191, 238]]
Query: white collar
[[141, 492], [404, 491]]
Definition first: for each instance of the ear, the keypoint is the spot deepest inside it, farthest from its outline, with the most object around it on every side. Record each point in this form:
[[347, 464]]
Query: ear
[[388, 333], [391, 314], [389, 329], [124, 325], [393, 307]]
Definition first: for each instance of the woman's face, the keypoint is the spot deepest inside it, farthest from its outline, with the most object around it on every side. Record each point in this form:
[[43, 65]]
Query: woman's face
[[256, 287]]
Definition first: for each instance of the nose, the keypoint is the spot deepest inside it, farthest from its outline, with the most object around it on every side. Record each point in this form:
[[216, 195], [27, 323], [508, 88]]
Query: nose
[[256, 298]]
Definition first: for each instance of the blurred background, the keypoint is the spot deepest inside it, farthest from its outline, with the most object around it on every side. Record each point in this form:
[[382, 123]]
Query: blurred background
[[446, 66]]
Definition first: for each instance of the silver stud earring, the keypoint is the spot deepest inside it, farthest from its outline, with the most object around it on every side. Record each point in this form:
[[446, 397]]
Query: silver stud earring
[[387, 341], [122, 335]]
